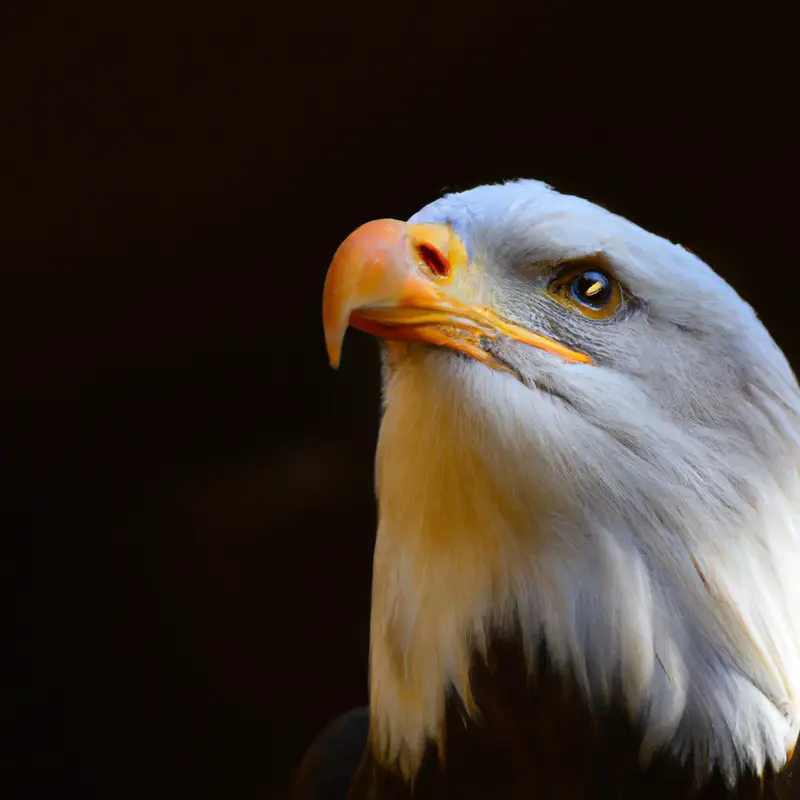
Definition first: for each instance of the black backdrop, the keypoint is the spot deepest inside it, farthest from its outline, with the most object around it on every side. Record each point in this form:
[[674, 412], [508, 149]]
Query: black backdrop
[[189, 485]]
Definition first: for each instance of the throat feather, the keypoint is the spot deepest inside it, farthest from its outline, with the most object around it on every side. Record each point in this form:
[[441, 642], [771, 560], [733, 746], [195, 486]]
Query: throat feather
[[471, 547]]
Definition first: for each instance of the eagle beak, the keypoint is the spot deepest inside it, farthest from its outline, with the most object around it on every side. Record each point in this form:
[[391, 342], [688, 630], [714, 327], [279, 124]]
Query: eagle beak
[[402, 282]]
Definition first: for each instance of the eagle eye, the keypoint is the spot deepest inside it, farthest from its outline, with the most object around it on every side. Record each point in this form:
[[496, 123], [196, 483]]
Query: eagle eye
[[590, 291]]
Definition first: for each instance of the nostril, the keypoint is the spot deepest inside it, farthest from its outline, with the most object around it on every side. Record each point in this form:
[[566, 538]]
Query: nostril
[[434, 260]]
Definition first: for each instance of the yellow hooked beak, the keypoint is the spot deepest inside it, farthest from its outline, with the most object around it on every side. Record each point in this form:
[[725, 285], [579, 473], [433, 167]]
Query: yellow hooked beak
[[402, 282]]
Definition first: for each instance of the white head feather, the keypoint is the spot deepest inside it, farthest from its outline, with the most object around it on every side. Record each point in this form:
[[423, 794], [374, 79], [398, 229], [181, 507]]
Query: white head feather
[[639, 516]]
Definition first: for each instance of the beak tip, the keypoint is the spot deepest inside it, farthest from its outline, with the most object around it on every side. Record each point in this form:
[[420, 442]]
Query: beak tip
[[333, 345]]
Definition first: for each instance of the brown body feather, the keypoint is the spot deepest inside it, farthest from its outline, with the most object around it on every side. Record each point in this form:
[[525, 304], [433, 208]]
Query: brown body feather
[[536, 737]]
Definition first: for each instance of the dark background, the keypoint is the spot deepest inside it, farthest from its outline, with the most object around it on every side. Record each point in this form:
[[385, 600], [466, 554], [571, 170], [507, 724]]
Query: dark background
[[188, 485]]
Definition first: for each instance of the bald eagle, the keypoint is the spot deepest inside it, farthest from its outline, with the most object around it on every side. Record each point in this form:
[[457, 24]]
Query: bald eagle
[[587, 566]]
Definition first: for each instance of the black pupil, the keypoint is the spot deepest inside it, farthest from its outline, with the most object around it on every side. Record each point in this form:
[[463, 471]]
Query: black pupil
[[592, 289]]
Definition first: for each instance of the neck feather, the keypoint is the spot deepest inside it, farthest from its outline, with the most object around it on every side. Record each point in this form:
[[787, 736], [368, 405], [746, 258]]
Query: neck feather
[[470, 547]]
